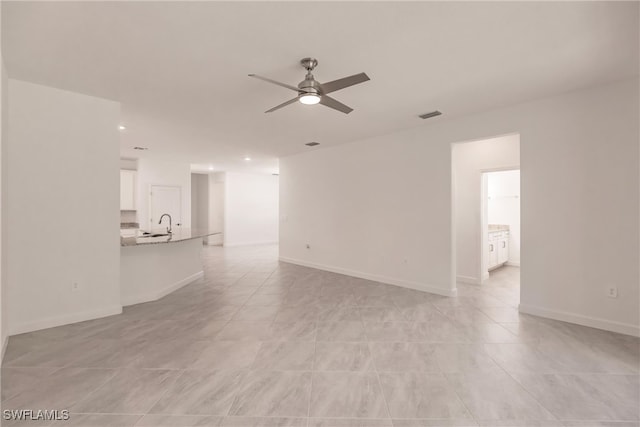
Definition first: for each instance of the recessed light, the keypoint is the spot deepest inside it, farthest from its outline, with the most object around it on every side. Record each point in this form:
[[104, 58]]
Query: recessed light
[[122, 127], [247, 158], [210, 168], [312, 143]]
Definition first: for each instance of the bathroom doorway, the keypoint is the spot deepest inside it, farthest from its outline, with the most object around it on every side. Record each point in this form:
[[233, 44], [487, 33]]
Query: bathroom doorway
[[472, 165], [500, 220]]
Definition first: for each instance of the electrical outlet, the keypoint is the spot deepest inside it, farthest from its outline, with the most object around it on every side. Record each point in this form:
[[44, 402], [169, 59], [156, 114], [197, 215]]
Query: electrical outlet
[[75, 287], [612, 292]]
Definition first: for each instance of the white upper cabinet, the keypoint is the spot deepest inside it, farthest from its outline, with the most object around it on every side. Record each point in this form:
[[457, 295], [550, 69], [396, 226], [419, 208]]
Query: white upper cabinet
[[127, 190]]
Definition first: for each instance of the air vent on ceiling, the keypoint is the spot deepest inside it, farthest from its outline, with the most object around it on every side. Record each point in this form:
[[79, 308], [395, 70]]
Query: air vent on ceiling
[[312, 144], [275, 174], [140, 148], [429, 115]]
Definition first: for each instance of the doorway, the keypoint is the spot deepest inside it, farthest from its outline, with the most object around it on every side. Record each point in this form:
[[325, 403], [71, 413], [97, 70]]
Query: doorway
[[165, 199], [500, 211], [472, 164]]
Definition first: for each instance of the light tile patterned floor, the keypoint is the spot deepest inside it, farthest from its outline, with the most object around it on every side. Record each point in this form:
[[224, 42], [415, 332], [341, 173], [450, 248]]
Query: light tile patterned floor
[[263, 343]]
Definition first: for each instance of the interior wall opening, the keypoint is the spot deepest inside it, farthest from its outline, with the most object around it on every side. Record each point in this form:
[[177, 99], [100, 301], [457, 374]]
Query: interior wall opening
[[486, 214]]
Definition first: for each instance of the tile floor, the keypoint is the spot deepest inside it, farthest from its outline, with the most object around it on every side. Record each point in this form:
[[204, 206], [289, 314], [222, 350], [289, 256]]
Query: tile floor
[[262, 343]]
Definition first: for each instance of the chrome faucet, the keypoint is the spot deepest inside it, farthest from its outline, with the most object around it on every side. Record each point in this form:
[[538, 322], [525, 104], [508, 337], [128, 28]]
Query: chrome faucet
[[169, 227]]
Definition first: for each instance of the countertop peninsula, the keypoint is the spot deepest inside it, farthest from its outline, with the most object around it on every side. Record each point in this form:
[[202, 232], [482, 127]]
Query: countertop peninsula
[[179, 234]]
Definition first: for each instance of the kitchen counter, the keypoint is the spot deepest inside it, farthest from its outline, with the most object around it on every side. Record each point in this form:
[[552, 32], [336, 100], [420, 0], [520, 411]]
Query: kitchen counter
[[179, 235], [151, 269]]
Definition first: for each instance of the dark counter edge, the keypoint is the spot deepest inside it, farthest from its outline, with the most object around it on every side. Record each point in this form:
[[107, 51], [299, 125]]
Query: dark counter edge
[[133, 241]]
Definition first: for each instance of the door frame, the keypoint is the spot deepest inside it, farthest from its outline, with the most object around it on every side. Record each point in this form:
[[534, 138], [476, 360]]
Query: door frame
[[484, 218], [149, 217]]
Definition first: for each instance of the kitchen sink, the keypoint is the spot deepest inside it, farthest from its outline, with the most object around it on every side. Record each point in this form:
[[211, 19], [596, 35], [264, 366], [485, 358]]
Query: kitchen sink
[[154, 235]]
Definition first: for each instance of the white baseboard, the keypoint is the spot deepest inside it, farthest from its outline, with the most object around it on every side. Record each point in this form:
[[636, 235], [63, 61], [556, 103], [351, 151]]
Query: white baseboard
[[593, 322], [468, 280], [233, 245], [374, 277], [66, 319], [152, 296]]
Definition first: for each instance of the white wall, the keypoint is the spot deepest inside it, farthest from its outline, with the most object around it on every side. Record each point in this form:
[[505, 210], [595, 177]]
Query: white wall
[[250, 209], [378, 208], [470, 159], [503, 207], [216, 207], [62, 207], [129, 164], [200, 201], [157, 172], [367, 206], [4, 312]]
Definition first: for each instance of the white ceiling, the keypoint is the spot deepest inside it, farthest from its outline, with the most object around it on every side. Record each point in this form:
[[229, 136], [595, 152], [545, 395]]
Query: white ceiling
[[180, 68]]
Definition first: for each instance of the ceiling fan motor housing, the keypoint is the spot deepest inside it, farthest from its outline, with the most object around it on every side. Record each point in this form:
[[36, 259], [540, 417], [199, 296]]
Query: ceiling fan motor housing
[[309, 85]]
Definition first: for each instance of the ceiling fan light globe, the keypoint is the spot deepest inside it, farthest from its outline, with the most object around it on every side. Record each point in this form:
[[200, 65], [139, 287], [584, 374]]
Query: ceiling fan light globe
[[309, 99]]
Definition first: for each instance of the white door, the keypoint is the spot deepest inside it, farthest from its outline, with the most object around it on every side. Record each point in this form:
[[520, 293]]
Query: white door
[[165, 199]]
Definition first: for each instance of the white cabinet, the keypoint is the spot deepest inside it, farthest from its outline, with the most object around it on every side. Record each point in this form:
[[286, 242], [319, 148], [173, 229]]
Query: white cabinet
[[127, 190], [493, 254], [498, 248], [503, 249]]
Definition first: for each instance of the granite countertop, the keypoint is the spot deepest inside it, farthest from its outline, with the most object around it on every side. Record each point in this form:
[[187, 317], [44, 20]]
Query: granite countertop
[[497, 227], [179, 234]]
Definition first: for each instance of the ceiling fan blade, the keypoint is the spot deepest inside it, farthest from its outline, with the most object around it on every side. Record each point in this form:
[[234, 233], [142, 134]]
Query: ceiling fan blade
[[274, 82], [336, 105], [284, 104], [335, 85]]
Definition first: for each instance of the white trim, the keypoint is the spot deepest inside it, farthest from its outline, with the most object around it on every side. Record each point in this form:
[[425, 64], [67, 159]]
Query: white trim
[[468, 280], [484, 226], [52, 322], [579, 319], [152, 296], [233, 245], [513, 263], [382, 279], [485, 277], [4, 347]]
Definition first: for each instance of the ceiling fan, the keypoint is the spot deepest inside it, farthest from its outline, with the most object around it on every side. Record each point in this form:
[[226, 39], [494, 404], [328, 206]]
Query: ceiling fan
[[310, 91]]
